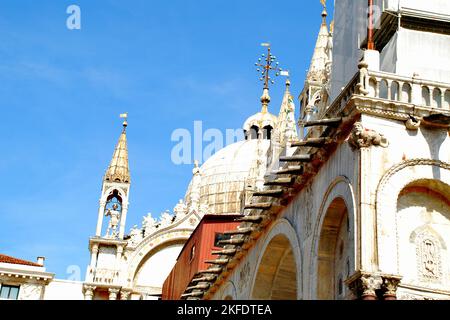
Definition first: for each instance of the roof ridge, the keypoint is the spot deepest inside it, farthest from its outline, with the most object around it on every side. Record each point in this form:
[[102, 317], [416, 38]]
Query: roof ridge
[[13, 260]]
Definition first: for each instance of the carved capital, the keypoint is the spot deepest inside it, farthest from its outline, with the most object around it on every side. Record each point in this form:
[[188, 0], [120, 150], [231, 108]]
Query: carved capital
[[89, 291], [124, 294], [113, 293], [370, 283], [364, 285], [95, 248], [390, 285]]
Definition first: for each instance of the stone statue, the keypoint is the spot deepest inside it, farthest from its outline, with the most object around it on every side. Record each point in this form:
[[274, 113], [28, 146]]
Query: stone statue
[[166, 218], [148, 224], [204, 209], [113, 222], [180, 209], [136, 235], [361, 137]]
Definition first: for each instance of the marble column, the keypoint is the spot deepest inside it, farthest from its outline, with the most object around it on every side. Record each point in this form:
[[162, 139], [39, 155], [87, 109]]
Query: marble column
[[94, 252]]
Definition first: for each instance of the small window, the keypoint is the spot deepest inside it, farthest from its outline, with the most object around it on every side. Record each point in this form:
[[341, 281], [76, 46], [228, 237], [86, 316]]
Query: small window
[[267, 132], [220, 236], [9, 292], [254, 131]]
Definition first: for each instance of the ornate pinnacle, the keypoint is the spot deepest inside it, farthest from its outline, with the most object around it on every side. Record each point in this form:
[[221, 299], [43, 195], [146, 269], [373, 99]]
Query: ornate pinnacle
[[118, 169]]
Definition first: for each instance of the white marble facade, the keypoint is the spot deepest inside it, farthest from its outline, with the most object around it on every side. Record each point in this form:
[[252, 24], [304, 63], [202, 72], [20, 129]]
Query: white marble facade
[[371, 218]]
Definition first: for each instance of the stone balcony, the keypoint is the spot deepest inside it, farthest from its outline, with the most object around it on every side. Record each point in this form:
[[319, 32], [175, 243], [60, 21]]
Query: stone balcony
[[413, 90], [387, 95]]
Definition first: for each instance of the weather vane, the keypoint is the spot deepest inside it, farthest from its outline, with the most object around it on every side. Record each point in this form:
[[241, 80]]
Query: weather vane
[[265, 65], [125, 117]]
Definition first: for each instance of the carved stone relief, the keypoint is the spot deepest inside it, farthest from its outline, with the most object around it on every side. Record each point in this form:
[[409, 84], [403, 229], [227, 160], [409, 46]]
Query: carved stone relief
[[428, 252], [409, 296]]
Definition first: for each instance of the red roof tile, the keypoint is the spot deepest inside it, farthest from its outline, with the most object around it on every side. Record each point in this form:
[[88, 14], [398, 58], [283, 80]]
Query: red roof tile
[[8, 259]]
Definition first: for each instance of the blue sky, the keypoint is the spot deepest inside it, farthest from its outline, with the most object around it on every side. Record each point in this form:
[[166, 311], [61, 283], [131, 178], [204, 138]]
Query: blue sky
[[166, 63]]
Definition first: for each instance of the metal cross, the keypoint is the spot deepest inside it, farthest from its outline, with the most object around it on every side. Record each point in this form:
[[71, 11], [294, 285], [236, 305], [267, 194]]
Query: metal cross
[[266, 66]]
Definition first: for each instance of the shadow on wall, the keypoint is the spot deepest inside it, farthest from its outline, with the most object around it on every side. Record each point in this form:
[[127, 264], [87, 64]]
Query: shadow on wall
[[434, 139]]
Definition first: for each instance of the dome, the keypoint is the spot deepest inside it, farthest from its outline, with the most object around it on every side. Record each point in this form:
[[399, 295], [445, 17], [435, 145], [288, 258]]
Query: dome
[[224, 175], [261, 120]]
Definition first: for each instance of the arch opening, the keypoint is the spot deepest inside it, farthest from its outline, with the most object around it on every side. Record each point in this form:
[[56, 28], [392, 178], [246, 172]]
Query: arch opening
[[447, 99], [383, 94], [395, 88], [426, 100], [277, 272], [254, 131], [154, 267], [334, 252], [267, 132], [437, 98], [406, 93]]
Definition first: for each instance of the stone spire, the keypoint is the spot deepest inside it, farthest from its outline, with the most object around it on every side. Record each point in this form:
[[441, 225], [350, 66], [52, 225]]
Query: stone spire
[[118, 170], [314, 94], [286, 127], [319, 59]]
